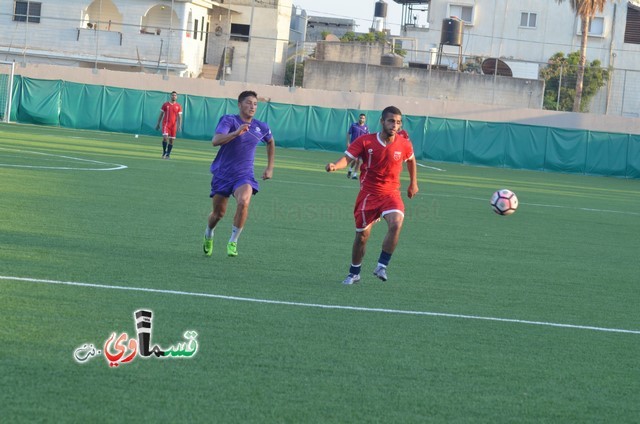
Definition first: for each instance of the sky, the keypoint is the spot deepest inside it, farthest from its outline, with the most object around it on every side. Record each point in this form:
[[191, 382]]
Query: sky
[[359, 10]]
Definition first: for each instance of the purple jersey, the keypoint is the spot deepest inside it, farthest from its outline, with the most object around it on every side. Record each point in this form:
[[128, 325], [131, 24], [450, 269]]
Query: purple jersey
[[235, 159], [356, 130]]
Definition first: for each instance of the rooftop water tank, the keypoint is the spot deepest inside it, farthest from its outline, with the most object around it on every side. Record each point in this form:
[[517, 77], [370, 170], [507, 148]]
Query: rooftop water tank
[[451, 32], [380, 10]]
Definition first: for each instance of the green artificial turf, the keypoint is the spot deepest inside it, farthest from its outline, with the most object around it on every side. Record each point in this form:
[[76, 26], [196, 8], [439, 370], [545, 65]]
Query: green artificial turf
[[484, 318]]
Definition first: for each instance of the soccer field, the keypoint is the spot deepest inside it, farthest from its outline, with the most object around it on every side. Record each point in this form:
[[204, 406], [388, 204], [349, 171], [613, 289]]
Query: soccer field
[[533, 317]]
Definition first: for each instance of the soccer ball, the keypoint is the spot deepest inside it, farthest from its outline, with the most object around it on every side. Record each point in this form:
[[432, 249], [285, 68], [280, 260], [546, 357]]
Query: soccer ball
[[504, 202]]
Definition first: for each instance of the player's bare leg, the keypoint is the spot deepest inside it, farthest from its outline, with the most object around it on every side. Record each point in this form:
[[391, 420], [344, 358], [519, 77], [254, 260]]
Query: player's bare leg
[[219, 208], [243, 199], [356, 165], [350, 167], [359, 245], [394, 223], [357, 254]]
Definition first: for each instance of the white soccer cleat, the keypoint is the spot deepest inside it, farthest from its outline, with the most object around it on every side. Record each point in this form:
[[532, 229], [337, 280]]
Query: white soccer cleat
[[380, 272], [351, 279]]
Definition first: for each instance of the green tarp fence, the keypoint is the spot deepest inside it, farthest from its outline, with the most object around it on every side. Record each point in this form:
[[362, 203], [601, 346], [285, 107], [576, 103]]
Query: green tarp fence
[[84, 106]]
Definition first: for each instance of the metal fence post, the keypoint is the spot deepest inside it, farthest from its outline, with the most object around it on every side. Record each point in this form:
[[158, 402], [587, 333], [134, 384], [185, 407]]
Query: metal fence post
[[559, 88]]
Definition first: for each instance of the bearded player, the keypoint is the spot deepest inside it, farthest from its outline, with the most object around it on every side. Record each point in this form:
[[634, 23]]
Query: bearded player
[[382, 156]]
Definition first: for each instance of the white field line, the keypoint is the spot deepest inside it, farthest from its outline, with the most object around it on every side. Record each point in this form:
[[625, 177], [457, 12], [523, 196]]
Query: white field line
[[322, 306], [430, 167], [114, 168]]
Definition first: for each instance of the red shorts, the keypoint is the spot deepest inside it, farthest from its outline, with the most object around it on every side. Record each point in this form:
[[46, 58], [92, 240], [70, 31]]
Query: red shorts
[[371, 207], [169, 130]]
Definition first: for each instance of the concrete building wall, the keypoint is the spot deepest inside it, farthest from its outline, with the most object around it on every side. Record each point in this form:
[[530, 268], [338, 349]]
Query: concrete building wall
[[424, 83], [283, 28], [261, 57], [336, 51]]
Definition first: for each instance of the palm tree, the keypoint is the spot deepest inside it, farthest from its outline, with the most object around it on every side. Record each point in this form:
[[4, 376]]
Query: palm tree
[[585, 9]]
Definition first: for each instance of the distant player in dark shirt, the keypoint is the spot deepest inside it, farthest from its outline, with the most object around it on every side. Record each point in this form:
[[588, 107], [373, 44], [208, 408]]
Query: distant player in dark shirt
[[356, 130]]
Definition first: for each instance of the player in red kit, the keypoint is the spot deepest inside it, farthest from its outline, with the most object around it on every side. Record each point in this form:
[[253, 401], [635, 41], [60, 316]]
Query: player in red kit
[[171, 120], [382, 155]]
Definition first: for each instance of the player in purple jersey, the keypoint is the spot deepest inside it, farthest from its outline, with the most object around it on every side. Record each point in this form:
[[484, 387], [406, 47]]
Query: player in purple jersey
[[232, 169], [356, 130]]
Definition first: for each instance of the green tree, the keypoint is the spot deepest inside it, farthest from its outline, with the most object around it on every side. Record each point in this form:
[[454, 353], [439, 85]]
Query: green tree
[[371, 37], [585, 10], [289, 71], [348, 36], [559, 75]]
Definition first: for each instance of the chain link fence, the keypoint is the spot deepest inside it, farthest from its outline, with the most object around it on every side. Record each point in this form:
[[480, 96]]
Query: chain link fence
[[222, 51]]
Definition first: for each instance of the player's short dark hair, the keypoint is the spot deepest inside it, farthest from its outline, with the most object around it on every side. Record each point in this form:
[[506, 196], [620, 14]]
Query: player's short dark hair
[[174, 92], [246, 94], [390, 110], [362, 114]]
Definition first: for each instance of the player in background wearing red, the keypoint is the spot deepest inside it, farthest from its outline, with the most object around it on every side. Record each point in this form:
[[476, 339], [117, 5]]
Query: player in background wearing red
[[171, 120], [382, 156]]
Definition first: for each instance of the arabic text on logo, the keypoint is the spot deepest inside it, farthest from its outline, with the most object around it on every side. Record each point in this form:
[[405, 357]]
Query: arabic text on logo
[[122, 349]]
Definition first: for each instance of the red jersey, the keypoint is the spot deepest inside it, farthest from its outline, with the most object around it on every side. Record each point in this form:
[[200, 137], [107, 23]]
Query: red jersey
[[171, 112], [381, 163], [404, 133]]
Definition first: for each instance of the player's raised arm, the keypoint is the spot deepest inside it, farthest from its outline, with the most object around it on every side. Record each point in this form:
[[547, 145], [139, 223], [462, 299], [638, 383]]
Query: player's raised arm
[[339, 164], [220, 139]]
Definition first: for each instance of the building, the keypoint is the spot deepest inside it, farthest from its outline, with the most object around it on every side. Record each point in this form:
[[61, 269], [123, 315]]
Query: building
[[172, 37], [528, 30], [250, 40]]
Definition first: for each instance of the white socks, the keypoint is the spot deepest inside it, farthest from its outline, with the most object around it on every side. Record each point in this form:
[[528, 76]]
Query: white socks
[[235, 233]]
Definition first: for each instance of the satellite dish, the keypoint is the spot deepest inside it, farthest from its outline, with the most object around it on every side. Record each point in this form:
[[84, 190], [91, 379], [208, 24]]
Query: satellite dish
[[489, 67]]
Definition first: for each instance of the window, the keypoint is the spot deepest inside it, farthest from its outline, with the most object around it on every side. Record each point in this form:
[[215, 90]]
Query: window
[[528, 19], [195, 29], [463, 12], [240, 32], [596, 27], [202, 30], [632, 27], [27, 11]]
